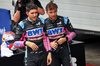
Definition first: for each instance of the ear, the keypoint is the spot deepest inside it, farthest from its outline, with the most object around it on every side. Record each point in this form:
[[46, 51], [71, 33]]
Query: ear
[[26, 13]]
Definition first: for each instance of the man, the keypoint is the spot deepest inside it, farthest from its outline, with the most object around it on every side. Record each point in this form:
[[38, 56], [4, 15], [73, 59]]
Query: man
[[20, 11], [32, 27], [59, 31]]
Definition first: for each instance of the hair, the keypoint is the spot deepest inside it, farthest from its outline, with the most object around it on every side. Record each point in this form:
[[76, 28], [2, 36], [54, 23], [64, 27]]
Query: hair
[[31, 6], [51, 6]]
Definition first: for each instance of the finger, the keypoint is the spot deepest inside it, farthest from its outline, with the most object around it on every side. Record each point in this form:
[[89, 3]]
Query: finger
[[36, 48], [48, 62], [33, 49], [55, 41], [54, 48], [56, 44]]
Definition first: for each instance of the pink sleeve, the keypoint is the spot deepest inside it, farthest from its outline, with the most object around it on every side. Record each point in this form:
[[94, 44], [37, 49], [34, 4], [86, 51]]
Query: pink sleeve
[[19, 44], [46, 42], [70, 35]]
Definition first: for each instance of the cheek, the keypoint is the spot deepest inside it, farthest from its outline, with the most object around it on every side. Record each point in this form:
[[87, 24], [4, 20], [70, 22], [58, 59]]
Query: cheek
[[50, 14], [36, 14]]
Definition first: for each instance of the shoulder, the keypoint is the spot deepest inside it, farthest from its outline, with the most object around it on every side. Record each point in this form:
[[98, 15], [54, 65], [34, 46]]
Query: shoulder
[[22, 23], [46, 20], [62, 17], [41, 19], [66, 19]]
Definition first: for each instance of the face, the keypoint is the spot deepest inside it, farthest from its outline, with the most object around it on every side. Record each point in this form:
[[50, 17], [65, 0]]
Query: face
[[52, 14], [32, 14]]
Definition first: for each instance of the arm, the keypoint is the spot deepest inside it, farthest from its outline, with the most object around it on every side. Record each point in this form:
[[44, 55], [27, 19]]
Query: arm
[[40, 8], [70, 33], [53, 44], [41, 11], [49, 58], [46, 42], [17, 15], [19, 36]]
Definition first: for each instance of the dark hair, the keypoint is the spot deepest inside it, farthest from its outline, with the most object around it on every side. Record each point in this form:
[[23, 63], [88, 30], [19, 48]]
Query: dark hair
[[51, 6], [31, 6]]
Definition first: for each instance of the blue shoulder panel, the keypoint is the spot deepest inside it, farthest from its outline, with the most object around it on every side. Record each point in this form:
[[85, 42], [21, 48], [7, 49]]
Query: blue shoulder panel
[[65, 20], [21, 24], [42, 19]]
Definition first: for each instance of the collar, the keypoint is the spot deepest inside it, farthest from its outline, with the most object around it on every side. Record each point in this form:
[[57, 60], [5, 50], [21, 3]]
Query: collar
[[33, 22], [56, 21]]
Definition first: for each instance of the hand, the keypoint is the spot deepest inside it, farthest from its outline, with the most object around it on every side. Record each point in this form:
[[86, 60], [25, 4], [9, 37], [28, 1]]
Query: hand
[[32, 45], [49, 59], [61, 41], [54, 44]]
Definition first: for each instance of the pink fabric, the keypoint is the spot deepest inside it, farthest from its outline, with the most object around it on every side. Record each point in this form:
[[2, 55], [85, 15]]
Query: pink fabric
[[70, 35], [23, 37], [19, 44], [46, 42]]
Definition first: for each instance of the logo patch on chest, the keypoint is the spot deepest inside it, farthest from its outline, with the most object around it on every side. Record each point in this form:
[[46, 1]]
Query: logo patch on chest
[[35, 32], [55, 31]]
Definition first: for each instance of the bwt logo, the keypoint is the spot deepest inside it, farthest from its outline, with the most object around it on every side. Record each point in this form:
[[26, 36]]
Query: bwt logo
[[35, 32], [55, 31], [2, 31]]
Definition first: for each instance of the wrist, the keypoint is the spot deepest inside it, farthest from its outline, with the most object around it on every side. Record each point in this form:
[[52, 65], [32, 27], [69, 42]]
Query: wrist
[[66, 38], [49, 53], [25, 43]]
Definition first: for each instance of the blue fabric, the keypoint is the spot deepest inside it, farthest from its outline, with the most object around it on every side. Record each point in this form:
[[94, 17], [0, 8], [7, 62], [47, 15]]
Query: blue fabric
[[42, 19], [65, 20], [4, 22], [21, 24]]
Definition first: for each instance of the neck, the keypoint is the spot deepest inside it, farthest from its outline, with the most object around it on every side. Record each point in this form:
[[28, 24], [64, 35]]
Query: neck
[[31, 20]]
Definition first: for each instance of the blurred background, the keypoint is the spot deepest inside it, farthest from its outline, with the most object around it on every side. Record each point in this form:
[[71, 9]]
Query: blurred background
[[85, 18]]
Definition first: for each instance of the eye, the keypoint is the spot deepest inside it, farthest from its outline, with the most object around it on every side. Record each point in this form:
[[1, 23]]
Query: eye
[[50, 12], [32, 13], [36, 12]]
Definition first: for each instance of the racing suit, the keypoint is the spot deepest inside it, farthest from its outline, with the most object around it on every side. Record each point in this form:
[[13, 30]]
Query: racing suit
[[33, 32], [58, 29]]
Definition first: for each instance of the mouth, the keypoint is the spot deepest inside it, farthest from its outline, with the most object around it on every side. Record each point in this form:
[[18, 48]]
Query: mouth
[[34, 18], [53, 16]]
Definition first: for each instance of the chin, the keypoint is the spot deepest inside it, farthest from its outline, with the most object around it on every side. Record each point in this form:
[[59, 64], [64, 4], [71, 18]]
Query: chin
[[34, 19]]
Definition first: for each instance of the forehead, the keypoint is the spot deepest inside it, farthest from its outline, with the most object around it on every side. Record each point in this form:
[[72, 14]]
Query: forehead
[[33, 10], [52, 9]]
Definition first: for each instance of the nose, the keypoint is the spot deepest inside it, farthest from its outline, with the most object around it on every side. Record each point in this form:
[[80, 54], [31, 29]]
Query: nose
[[53, 14], [35, 14]]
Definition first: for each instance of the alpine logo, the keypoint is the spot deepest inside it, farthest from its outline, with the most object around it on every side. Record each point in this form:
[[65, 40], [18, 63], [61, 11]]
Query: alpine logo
[[38, 23], [55, 31], [59, 23], [65, 20]]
